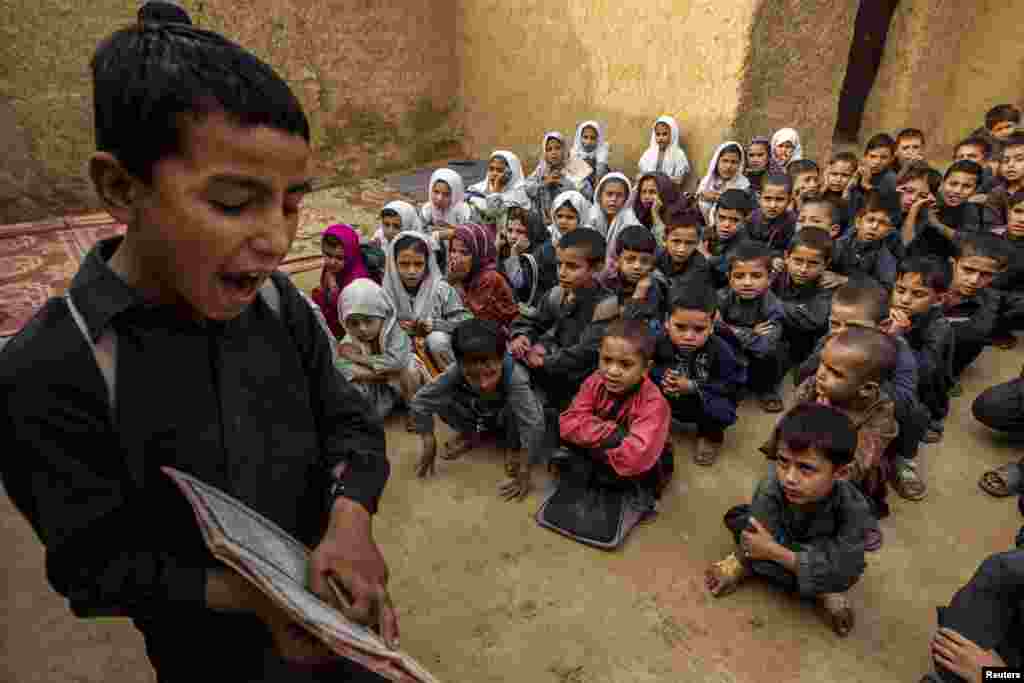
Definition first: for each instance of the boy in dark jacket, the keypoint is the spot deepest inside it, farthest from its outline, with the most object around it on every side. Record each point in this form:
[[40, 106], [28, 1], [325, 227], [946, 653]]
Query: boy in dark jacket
[[730, 230], [805, 303], [697, 370], [681, 261], [773, 223], [804, 529], [930, 227], [640, 288], [864, 251]]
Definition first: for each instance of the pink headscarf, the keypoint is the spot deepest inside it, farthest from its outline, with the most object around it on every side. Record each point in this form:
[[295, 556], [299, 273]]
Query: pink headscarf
[[354, 269], [478, 240]]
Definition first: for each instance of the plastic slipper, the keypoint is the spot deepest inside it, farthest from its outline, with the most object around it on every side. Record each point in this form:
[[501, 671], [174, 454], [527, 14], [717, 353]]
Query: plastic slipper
[[907, 482], [1002, 481], [839, 611], [730, 572]]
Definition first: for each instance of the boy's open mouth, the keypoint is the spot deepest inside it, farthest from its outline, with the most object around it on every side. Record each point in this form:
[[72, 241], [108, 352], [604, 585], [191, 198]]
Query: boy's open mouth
[[243, 284]]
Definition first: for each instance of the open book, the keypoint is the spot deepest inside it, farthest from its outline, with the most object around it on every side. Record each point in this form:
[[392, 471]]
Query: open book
[[277, 564]]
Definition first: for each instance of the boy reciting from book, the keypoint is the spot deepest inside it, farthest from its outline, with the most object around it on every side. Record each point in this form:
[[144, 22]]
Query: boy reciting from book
[[483, 394], [614, 464], [203, 151], [805, 526]]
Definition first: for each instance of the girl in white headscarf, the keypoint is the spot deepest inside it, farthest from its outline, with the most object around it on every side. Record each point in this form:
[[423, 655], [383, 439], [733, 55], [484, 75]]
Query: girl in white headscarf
[[397, 216], [375, 355], [504, 180], [723, 174], [665, 154], [571, 200], [784, 150], [591, 146], [610, 212], [549, 179], [427, 307]]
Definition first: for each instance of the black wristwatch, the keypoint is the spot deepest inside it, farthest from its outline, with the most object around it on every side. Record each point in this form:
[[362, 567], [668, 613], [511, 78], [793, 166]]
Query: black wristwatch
[[337, 486]]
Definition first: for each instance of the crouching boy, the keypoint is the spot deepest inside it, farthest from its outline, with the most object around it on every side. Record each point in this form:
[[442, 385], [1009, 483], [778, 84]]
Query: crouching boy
[[614, 463], [805, 527], [484, 394]]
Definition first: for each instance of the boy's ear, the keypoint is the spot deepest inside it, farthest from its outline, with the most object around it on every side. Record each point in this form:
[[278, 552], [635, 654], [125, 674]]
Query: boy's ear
[[117, 188]]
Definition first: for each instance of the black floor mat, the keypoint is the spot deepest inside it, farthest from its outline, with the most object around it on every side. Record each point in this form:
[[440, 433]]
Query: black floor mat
[[415, 184]]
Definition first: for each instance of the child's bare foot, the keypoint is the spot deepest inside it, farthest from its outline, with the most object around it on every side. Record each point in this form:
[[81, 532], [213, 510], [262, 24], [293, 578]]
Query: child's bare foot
[[839, 612], [456, 448], [707, 451], [725, 576]]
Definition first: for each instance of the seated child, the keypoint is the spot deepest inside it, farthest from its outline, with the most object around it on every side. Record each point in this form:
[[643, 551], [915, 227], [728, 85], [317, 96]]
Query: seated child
[[785, 149], [427, 307], [343, 264], [934, 232], [772, 223], [805, 303], [527, 257], [483, 394], [915, 314], [655, 195], [571, 211], [909, 149], [665, 154], [979, 150], [805, 527], [397, 216], [725, 172], [1001, 122], [818, 212], [1012, 279], [473, 272], [729, 231], [752, 315], [609, 213], [502, 188], [840, 170], [681, 261], [806, 178], [549, 179], [1001, 407], [865, 251], [1011, 175], [757, 162], [447, 206], [697, 370], [560, 343], [854, 364], [615, 461], [874, 172], [641, 290], [589, 145], [375, 355], [981, 627]]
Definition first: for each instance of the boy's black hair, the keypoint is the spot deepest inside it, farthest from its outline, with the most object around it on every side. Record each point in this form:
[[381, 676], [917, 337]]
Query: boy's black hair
[[823, 428], [910, 133], [835, 212], [1001, 113], [876, 200], [976, 141], [587, 240], [737, 200], [477, 335], [684, 217], [934, 273], [636, 238], [984, 245], [801, 166], [813, 238], [751, 251], [964, 166], [636, 331], [845, 157], [156, 11], [866, 294], [784, 180], [414, 243], [389, 213], [881, 140], [151, 81], [879, 349], [690, 297], [915, 170]]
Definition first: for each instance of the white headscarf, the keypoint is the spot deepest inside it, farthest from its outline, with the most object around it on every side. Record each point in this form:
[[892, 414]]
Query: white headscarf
[[714, 182], [407, 213], [600, 152], [786, 135], [542, 165], [675, 164], [513, 194], [366, 297], [454, 181], [623, 218], [578, 202], [406, 306]]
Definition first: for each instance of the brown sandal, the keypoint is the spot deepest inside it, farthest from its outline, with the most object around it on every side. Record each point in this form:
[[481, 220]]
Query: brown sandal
[[839, 611], [1005, 480], [707, 452], [729, 572], [908, 483]]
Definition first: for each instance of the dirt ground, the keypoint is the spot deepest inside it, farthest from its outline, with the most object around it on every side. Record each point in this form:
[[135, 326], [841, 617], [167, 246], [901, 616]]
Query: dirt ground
[[487, 595]]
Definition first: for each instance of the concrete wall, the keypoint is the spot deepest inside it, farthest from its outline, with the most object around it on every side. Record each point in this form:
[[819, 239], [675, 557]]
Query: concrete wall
[[530, 66], [944, 66]]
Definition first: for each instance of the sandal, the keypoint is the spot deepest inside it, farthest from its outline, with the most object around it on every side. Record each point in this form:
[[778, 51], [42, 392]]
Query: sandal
[[1003, 481], [707, 452], [729, 572], [872, 539], [839, 611], [771, 403], [907, 482]]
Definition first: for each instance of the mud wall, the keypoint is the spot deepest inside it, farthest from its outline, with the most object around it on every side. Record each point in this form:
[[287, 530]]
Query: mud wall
[[944, 66]]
